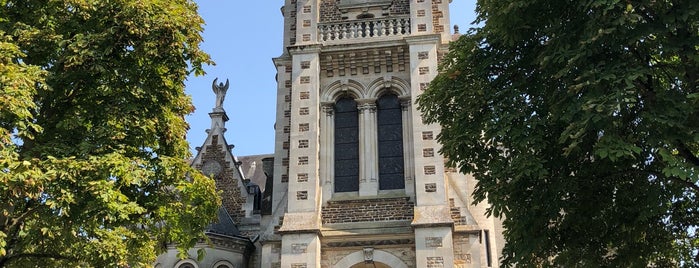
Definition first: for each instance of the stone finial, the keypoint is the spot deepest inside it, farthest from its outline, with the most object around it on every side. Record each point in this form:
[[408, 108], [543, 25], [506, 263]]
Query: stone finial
[[456, 34], [220, 91]]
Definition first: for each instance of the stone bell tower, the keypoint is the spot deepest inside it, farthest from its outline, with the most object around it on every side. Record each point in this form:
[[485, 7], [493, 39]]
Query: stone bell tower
[[357, 174]]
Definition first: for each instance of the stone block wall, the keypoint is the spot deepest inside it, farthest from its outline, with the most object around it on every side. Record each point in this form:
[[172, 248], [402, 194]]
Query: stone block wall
[[368, 210]]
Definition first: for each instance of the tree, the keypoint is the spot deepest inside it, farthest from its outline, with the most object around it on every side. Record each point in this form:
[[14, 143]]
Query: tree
[[93, 156], [580, 122]]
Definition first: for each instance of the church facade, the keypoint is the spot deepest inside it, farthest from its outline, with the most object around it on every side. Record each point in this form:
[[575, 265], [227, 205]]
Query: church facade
[[356, 179]]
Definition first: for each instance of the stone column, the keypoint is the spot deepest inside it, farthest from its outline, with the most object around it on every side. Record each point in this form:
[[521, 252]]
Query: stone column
[[408, 141], [327, 150], [368, 159]]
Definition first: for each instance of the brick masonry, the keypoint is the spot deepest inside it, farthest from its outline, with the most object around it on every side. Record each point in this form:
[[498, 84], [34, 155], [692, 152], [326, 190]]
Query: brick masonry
[[329, 12], [437, 15], [226, 181], [456, 213], [400, 7], [368, 210]]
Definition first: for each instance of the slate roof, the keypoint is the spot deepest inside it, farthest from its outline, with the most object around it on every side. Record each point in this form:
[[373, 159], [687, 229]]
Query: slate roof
[[224, 225], [253, 169]]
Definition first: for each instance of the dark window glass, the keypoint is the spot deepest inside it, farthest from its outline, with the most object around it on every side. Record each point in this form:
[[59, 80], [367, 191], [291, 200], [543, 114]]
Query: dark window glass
[[346, 145], [390, 134]]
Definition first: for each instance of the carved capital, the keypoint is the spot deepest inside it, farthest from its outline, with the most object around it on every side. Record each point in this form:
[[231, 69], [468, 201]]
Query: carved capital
[[370, 107], [405, 103], [328, 109]]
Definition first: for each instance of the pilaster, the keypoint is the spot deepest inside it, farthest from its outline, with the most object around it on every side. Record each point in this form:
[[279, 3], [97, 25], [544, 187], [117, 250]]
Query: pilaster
[[432, 220], [302, 220], [307, 12], [421, 17]]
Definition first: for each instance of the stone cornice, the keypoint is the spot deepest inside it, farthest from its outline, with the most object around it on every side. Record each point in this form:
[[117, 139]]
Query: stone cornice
[[423, 39], [304, 49]]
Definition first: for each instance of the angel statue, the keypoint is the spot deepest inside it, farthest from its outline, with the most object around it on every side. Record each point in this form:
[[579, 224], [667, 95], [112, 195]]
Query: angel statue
[[220, 91]]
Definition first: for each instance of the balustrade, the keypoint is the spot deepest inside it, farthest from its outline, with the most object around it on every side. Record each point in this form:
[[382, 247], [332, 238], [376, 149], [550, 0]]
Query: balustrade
[[364, 29]]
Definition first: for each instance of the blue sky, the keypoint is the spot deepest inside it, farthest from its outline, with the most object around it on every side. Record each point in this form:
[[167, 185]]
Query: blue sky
[[242, 37]]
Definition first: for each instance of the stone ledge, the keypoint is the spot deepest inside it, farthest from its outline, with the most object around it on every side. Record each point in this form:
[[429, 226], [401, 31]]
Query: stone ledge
[[300, 222], [432, 216], [366, 228], [472, 228]]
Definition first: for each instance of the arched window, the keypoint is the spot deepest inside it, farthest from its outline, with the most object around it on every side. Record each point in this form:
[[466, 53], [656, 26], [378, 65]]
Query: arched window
[[390, 142], [346, 145]]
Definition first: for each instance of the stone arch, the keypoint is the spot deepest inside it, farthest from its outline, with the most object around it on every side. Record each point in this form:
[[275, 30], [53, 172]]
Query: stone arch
[[223, 263], [342, 87], [186, 263], [379, 256], [388, 83]]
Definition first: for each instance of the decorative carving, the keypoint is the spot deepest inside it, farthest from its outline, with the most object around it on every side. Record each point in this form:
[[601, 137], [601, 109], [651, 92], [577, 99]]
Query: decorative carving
[[236, 245], [211, 168], [433, 242], [299, 248], [370, 107], [359, 63], [220, 91], [368, 255], [435, 262], [405, 104], [371, 243], [328, 109]]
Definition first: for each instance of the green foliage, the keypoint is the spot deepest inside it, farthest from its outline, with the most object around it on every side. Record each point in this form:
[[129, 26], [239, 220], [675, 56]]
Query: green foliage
[[580, 121], [93, 156]]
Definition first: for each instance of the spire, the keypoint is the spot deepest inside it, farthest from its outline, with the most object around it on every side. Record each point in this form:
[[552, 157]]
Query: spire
[[219, 116]]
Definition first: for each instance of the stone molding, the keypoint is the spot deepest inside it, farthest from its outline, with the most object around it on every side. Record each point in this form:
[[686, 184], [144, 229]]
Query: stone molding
[[362, 62]]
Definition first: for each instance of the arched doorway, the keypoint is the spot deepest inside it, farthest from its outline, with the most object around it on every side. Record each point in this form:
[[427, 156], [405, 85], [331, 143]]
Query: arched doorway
[[380, 259], [370, 265]]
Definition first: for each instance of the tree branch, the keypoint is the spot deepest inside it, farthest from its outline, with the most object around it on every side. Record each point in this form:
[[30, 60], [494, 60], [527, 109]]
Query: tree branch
[[27, 210], [686, 153], [689, 184]]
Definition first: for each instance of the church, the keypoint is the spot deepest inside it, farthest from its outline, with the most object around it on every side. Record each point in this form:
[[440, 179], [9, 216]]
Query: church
[[356, 178]]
